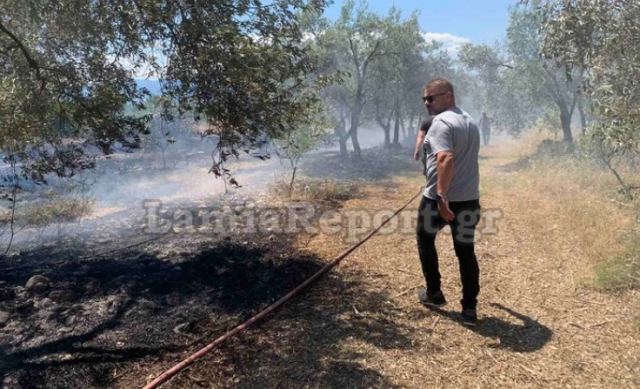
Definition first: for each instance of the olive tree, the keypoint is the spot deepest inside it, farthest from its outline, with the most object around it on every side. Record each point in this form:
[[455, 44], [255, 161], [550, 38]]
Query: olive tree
[[67, 71], [602, 37]]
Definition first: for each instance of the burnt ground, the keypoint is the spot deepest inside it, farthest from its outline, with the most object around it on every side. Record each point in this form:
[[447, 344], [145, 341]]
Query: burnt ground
[[114, 307], [98, 317], [132, 314]]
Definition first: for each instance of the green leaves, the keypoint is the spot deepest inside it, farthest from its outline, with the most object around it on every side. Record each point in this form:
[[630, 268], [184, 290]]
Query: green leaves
[[241, 64], [383, 63], [602, 37]]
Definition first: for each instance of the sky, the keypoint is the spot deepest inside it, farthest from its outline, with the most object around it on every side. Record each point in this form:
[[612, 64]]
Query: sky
[[452, 22]]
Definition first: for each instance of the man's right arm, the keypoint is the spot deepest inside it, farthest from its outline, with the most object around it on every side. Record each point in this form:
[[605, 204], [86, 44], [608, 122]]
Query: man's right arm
[[419, 141], [422, 132]]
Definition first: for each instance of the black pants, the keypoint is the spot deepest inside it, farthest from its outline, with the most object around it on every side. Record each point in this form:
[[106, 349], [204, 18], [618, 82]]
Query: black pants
[[467, 215], [485, 137]]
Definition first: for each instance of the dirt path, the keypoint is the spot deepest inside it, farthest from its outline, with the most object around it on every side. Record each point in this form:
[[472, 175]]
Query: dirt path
[[540, 325]]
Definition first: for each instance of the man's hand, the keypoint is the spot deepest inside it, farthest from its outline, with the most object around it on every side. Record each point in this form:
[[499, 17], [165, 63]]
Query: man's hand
[[443, 208], [416, 154]]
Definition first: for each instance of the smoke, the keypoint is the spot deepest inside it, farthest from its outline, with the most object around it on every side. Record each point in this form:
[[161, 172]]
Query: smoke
[[172, 166], [174, 172]]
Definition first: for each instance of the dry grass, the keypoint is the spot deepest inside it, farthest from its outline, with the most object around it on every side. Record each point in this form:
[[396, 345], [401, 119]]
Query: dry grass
[[308, 189], [361, 326], [591, 207], [58, 211], [541, 323], [54, 209], [618, 274]]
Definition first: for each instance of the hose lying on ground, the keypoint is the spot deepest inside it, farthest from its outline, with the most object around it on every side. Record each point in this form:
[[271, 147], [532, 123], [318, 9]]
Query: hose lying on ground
[[162, 378]]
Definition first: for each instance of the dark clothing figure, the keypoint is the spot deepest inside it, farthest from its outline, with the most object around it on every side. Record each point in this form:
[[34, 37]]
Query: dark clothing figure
[[485, 127], [467, 215], [424, 128], [426, 123]]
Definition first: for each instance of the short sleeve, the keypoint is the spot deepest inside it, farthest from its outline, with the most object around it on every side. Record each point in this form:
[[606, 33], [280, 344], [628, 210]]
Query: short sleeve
[[424, 126], [440, 137]]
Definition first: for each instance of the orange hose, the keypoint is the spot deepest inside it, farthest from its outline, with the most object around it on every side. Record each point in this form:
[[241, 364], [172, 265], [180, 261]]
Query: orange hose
[[162, 378]]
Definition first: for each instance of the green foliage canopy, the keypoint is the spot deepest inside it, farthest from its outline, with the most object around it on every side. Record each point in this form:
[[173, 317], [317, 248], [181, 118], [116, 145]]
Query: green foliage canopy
[[67, 70], [602, 37]]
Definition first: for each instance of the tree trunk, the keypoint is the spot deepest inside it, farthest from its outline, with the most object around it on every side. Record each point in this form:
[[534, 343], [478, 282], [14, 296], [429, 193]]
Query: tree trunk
[[396, 126], [357, 152], [358, 105], [387, 136], [561, 101], [411, 130], [403, 129], [386, 128], [293, 177], [14, 193], [355, 122], [583, 118], [565, 120], [344, 153], [340, 132]]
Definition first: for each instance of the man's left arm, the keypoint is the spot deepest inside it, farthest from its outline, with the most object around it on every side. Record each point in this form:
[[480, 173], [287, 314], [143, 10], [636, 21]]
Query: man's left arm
[[441, 139], [444, 167]]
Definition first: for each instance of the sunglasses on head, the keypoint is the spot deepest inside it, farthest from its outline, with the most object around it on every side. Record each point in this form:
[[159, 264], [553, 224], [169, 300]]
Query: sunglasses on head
[[430, 98]]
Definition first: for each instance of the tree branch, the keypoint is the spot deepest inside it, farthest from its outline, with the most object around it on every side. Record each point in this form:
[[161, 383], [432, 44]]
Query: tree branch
[[504, 65], [370, 56], [356, 60], [556, 91], [573, 102], [32, 62]]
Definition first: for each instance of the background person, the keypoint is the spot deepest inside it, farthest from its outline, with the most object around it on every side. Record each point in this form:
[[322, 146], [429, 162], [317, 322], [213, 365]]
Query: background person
[[485, 127]]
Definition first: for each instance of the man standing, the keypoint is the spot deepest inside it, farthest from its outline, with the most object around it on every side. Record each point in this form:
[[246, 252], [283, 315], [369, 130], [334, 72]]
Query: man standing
[[451, 196], [485, 126]]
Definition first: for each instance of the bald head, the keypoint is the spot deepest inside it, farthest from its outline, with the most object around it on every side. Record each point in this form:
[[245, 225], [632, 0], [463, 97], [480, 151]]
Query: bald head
[[440, 84], [438, 96]]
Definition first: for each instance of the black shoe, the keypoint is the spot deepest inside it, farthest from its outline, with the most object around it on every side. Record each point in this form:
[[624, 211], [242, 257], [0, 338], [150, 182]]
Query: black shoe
[[431, 300], [469, 317]]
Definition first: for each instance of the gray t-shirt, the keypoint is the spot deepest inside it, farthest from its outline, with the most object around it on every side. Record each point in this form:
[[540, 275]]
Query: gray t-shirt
[[424, 127], [454, 130]]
